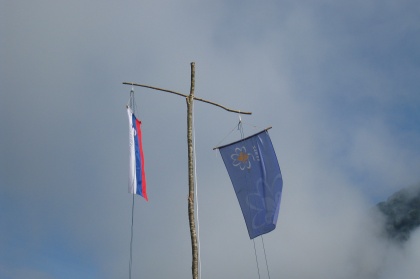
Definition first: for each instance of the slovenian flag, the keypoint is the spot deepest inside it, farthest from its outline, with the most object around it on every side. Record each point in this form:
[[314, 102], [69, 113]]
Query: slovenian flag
[[137, 177]]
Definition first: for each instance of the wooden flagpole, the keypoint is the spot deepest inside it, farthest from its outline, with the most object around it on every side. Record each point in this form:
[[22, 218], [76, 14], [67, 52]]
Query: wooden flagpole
[[191, 187]]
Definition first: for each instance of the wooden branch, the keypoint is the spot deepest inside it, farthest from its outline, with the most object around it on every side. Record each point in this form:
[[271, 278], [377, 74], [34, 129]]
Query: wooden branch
[[191, 186], [183, 95], [266, 129], [155, 88]]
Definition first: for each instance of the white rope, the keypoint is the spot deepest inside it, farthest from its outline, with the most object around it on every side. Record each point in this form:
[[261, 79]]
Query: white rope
[[132, 105], [196, 198]]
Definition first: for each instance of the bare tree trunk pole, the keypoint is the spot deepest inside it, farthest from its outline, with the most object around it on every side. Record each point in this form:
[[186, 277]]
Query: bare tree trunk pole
[[191, 215], [194, 245]]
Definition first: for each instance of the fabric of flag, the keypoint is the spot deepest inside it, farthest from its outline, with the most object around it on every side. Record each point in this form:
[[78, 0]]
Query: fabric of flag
[[256, 177], [137, 176]]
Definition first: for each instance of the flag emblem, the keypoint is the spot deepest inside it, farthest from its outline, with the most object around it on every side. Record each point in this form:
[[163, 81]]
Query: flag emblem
[[241, 158]]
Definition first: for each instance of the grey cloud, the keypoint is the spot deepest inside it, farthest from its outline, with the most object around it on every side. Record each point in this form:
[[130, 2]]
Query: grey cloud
[[337, 81]]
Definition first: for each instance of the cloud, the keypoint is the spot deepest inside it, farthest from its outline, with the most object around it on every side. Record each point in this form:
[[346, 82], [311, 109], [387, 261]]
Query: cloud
[[337, 81]]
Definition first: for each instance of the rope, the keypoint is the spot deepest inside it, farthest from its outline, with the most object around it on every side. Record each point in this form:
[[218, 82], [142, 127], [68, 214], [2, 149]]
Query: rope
[[196, 197], [132, 105], [233, 129], [255, 127], [265, 256], [240, 127], [131, 102], [241, 130], [131, 240], [256, 259]]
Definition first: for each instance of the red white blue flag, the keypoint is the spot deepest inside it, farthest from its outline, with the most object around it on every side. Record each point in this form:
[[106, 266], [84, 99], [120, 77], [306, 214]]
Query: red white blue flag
[[137, 176]]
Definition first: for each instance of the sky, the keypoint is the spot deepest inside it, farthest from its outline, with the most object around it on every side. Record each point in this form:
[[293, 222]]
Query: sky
[[337, 80]]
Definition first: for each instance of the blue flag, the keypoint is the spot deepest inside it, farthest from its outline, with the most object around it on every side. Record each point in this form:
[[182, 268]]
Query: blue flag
[[255, 174]]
